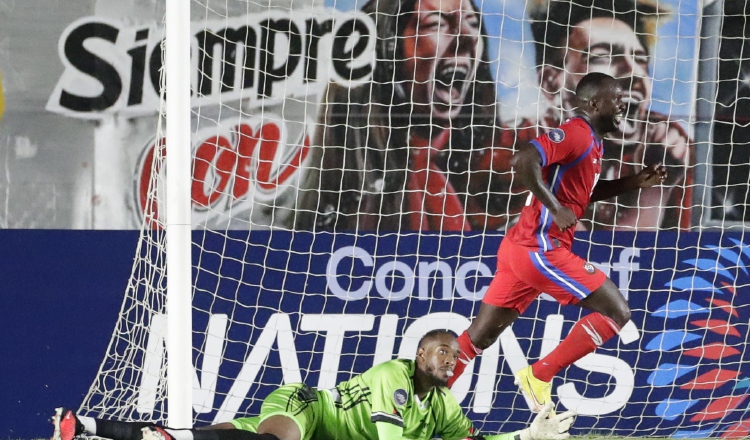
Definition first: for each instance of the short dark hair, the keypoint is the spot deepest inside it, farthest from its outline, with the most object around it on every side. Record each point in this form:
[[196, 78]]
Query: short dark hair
[[432, 334], [552, 23], [590, 84]]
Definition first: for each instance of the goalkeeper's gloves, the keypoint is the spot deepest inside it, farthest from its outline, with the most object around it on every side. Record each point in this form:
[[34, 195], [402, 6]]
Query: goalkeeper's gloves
[[543, 428]]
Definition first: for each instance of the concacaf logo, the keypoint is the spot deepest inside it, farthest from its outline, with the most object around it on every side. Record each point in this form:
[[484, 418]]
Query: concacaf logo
[[557, 135]]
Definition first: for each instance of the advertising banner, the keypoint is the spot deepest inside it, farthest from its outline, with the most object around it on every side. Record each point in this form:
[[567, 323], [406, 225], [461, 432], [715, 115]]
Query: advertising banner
[[379, 116], [678, 369], [348, 302]]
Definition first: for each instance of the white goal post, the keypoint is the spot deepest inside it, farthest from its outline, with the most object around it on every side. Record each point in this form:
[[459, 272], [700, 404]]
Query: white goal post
[[179, 226]]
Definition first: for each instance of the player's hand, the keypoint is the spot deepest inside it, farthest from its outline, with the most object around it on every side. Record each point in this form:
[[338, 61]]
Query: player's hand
[[564, 218], [554, 428], [652, 175]]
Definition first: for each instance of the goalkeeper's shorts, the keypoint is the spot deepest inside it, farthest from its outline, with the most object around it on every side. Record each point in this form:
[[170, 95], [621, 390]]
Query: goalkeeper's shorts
[[296, 401]]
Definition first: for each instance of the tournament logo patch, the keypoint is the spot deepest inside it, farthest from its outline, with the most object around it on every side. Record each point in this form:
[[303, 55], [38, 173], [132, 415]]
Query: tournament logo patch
[[589, 268], [399, 396], [556, 135]]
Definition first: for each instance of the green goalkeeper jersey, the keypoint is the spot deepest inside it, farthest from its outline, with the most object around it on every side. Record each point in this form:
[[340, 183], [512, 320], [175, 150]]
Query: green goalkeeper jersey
[[379, 404], [385, 394]]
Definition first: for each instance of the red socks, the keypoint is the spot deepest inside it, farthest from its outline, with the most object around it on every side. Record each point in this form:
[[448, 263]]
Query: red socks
[[590, 332], [587, 334], [468, 353]]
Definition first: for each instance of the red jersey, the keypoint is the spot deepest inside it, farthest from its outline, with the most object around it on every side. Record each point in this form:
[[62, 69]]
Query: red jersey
[[571, 165]]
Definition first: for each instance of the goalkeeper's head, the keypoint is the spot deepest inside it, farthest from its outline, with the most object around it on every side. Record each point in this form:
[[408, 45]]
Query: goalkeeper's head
[[615, 37], [436, 358]]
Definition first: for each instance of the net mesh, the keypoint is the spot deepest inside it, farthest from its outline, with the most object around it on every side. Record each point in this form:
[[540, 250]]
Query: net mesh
[[351, 184]]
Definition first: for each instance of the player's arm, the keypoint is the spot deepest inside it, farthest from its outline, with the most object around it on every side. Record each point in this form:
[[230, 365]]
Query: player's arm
[[388, 397], [542, 428], [649, 176], [389, 431], [389, 424], [453, 425], [527, 163]]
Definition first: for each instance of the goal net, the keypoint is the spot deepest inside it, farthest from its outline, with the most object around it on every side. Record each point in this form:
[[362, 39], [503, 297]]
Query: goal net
[[351, 184]]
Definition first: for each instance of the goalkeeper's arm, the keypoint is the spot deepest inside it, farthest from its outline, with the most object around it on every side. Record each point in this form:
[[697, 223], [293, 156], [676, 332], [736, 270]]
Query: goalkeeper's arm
[[542, 428]]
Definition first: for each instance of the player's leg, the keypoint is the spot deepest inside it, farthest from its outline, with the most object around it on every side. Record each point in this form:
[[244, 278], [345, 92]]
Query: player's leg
[[506, 298], [482, 332], [68, 425], [611, 312], [288, 413], [224, 431], [608, 301], [282, 427], [572, 280], [526, 279], [490, 321], [291, 412]]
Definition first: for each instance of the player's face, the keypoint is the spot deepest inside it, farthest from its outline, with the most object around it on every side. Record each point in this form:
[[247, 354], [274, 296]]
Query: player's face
[[611, 109], [610, 46], [438, 359], [441, 46]]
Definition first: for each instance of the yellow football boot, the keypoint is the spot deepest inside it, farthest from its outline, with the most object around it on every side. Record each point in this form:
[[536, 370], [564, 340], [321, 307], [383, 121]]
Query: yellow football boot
[[536, 392]]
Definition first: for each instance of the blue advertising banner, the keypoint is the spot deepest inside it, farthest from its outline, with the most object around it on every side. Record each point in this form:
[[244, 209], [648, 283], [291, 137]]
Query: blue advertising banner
[[61, 293], [282, 307], [320, 307]]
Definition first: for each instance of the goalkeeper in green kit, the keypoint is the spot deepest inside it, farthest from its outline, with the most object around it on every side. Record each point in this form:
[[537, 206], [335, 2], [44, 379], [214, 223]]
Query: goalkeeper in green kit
[[398, 399]]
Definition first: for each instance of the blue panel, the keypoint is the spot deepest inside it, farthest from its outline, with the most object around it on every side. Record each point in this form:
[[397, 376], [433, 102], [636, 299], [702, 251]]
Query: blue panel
[[745, 248], [63, 290], [666, 374], [729, 255], [742, 384], [711, 266], [691, 283], [670, 339], [670, 409], [703, 433], [676, 309]]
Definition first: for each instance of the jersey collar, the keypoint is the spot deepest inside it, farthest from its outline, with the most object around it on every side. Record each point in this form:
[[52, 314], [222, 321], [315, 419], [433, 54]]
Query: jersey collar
[[593, 132]]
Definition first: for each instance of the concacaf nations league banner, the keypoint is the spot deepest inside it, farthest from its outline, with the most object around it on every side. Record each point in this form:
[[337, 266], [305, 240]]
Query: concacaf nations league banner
[[678, 369]]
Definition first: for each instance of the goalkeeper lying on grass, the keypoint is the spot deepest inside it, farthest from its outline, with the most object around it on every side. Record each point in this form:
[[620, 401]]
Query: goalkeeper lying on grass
[[398, 399]]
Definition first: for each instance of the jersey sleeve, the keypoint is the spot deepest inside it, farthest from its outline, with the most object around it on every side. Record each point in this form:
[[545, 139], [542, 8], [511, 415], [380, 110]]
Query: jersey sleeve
[[390, 389], [563, 144], [386, 431], [452, 422]]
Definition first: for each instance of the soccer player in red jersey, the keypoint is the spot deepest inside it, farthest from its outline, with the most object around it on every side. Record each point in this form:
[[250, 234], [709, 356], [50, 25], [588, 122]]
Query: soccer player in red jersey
[[561, 169]]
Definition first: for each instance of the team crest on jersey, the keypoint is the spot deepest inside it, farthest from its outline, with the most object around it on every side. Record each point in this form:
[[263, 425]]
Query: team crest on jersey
[[588, 267], [556, 135], [399, 396]]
